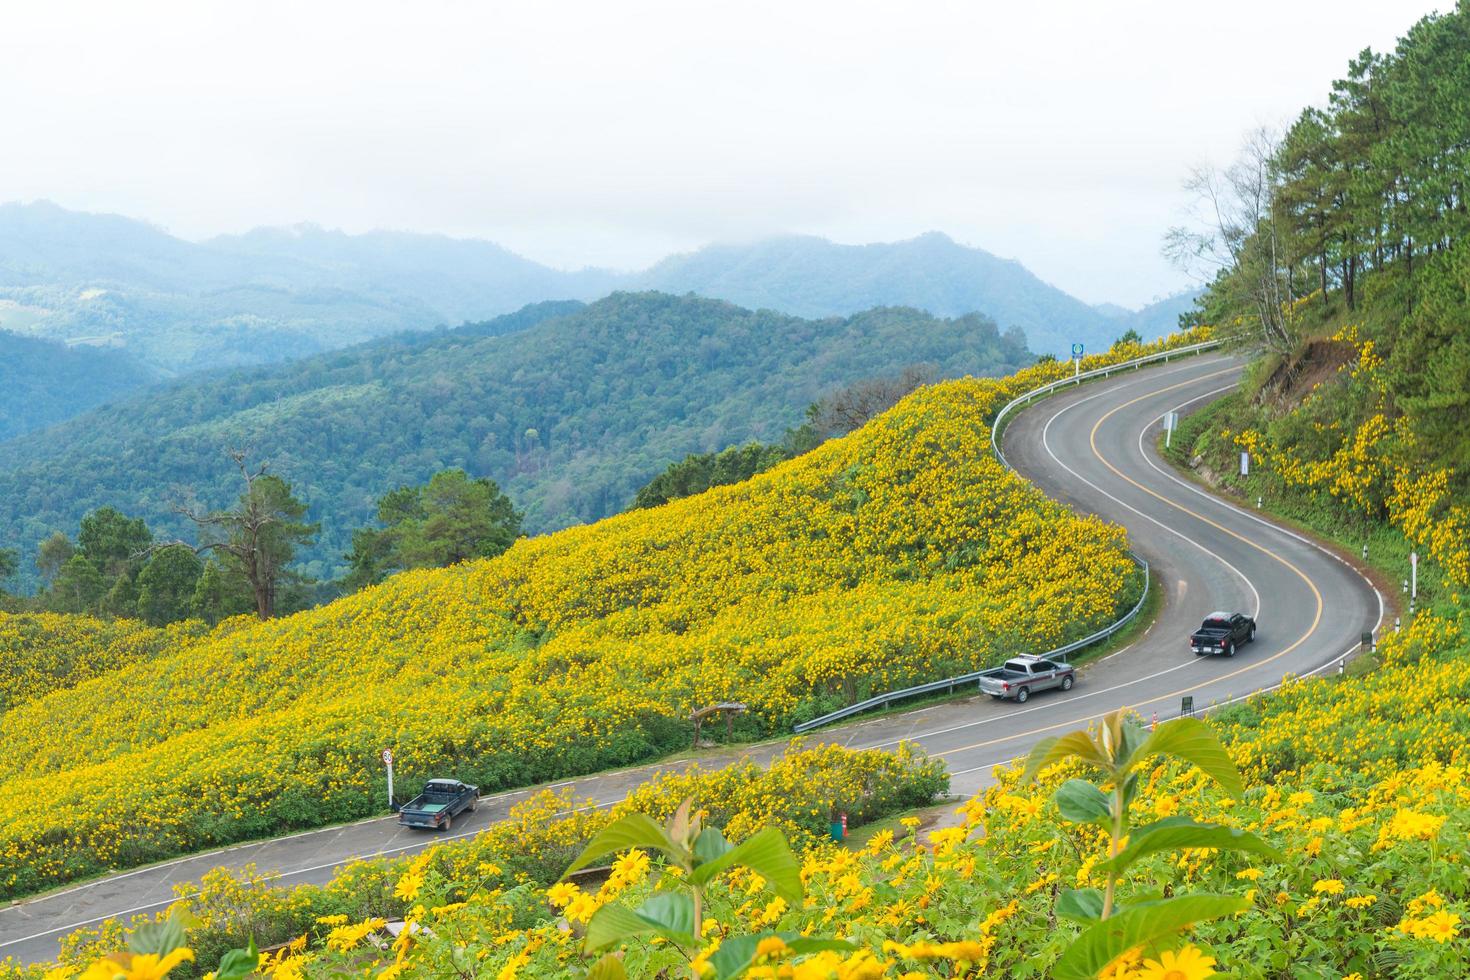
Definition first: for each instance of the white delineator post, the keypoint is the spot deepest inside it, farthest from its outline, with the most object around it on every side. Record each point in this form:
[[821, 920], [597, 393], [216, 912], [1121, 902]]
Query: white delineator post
[[388, 761], [1413, 575]]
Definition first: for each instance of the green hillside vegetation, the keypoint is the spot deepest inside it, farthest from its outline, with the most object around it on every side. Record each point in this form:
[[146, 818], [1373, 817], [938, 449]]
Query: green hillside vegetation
[[569, 416], [43, 382], [1352, 227]]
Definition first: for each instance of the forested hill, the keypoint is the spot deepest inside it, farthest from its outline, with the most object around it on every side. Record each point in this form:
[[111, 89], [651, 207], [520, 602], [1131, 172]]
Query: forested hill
[[1354, 228], [808, 276], [43, 382], [570, 415]]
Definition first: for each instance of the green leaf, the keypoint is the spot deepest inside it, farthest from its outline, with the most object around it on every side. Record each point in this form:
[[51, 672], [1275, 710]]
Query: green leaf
[[768, 855], [1145, 924], [1176, 836], [735, 955], [709, 845], [610, 967], [158, 938], [1195, 742], [238, 964], [669, 914], [1082, 802], [1080, 904], [634, 830], [1074, 745]]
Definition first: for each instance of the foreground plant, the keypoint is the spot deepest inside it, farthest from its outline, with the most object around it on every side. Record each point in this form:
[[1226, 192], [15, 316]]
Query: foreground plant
[[695, 856], [1117, 748]]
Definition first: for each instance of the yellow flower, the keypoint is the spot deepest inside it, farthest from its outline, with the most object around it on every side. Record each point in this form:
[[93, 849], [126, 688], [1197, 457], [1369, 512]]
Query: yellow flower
[[771, 947], [1442, 926], [1328, 886], [134, 966], [1187, 964]]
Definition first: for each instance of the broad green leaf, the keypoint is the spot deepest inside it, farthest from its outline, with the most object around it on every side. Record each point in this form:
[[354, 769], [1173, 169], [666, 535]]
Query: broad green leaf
[[158, 938], [709, 845], [768, 855], [1195, 742], [610, 967], [1146, 924], [1074, 745], [1151, 840], [735, 955], [1082, 802], [668, 914], [238, 964], [634, 830], [1080, 904]]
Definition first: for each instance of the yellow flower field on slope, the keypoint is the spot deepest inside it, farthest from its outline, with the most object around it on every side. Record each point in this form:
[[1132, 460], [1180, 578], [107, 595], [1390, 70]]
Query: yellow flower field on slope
[[900, 553]]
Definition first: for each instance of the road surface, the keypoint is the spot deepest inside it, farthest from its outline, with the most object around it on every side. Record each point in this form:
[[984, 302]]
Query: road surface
[[1091, 447]]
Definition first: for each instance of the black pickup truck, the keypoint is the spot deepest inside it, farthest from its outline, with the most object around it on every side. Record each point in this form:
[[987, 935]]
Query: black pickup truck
[[1222, 632], [441, 801]]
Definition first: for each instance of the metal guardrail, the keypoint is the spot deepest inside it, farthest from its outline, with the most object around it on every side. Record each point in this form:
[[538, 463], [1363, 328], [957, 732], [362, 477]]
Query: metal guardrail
[[1061, 652], [950, 683]]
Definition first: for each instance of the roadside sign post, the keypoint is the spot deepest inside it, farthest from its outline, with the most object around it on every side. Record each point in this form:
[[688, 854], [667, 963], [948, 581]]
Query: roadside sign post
[[1076, 360], [1186, 706], [1413, 575], [1245, 463], [388, 761], [1171, 421]]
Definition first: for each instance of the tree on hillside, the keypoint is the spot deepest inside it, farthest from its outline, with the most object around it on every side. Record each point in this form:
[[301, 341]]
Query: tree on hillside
[[851, 407], [113, 542], [1239, 236], [167, 583], [453, 518], [77, 588], [257, 538], [52, 553], [9, 563], [1130, 336]]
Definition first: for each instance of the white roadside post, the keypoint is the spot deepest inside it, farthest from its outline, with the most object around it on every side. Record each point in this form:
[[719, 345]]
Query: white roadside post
[[1413, 575], [1245, 463], [1076, 360], [1171, 419], [388, 761]]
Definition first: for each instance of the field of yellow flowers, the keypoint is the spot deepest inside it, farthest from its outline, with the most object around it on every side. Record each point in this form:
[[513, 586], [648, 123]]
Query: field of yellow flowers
[[1370, 881], [900, 553]]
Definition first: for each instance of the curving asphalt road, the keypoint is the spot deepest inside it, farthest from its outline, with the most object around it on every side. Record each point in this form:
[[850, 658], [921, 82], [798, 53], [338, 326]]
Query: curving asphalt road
[[1091, 447]]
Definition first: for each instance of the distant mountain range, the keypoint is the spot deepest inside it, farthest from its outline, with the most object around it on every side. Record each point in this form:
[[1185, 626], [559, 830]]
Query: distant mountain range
[[277, 293], [570, 407]]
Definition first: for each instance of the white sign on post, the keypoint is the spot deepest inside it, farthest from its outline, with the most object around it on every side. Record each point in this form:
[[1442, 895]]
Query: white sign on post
[[388, 761], [1171, 421], [1413, 575], [1245, 463]]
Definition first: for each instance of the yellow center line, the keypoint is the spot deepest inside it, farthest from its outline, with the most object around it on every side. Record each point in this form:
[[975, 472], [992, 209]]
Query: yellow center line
[[1316, 618]]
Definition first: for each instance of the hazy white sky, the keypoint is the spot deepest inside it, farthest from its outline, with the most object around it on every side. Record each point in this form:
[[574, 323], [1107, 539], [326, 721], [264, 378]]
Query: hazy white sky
[[616, 131]]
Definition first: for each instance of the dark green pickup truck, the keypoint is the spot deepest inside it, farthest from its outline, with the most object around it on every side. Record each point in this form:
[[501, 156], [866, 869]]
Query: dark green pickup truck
[[441, 801]]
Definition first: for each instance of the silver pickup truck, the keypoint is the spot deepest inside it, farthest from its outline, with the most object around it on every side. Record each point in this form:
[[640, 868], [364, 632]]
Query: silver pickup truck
[[1023, 676]]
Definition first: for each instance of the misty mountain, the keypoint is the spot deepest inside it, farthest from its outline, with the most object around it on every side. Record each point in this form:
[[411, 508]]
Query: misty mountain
[[278, 293], [812, 277]]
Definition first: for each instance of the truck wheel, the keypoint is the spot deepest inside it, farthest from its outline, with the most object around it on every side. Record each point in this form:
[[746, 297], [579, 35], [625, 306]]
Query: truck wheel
[[448, 824], [1067, 683], [1252, 637], [1022, 694], [1230, 648], [474, 804]]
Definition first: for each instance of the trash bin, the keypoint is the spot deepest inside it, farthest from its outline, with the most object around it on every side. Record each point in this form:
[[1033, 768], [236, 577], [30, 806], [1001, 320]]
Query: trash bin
[[839, 827]]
